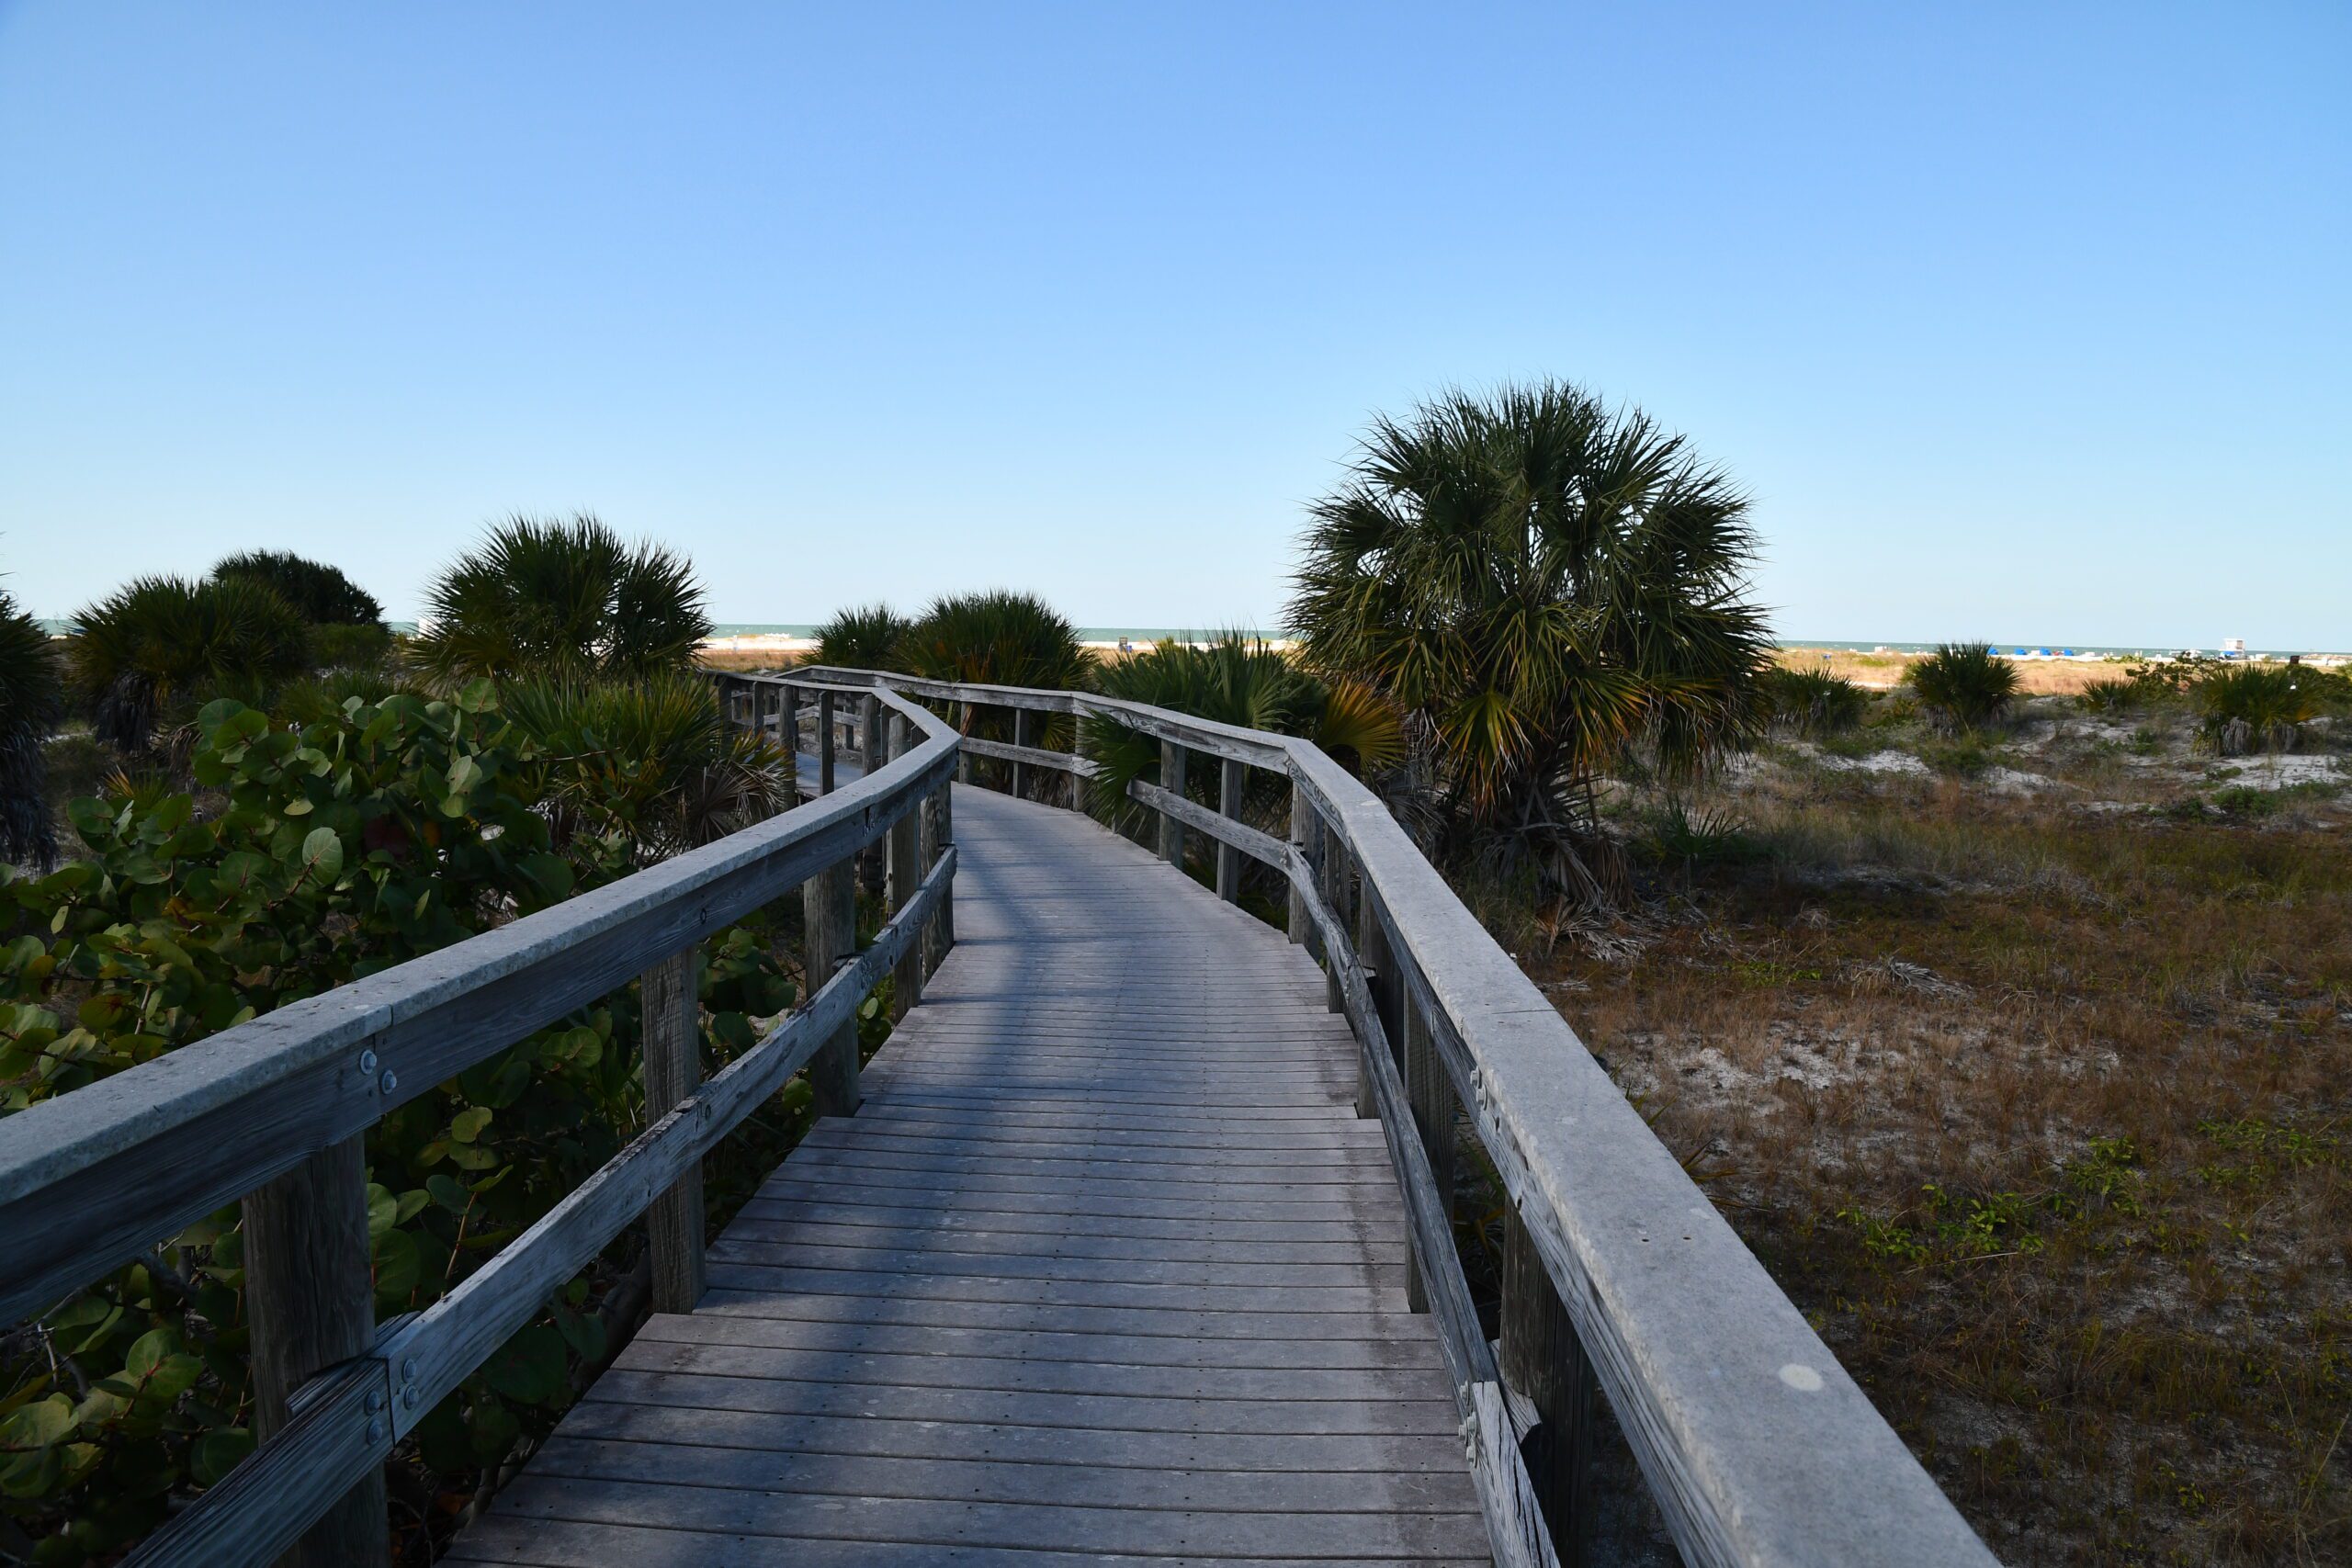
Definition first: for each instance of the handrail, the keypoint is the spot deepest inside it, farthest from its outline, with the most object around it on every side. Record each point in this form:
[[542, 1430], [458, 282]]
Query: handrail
[[90, 1179], [1760, 1450]]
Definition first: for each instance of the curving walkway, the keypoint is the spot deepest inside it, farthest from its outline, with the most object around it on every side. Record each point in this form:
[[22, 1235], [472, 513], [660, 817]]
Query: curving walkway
[[1105, 1268]]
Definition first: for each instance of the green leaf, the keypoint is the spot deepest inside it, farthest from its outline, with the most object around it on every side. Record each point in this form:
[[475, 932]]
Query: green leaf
[[296, 807], [398, 1266], [322, 854], [217, 1454], [529, 1369], [467, 1125], [449, 1193], [478, 696], [38, 1425], [464, 775]]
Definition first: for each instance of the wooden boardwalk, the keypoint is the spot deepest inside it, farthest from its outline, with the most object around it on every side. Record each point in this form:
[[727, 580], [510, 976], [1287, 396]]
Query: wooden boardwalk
[[1104, 1268]]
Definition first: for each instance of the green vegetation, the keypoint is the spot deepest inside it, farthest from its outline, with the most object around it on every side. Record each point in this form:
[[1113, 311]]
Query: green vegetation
[[1814, 702], [1963, 686], [152, 652], [868, 636], [32, 701], [2251, 707], [562, 601], [1237, 679], [320, 594], [1546, 587], [999, 638]]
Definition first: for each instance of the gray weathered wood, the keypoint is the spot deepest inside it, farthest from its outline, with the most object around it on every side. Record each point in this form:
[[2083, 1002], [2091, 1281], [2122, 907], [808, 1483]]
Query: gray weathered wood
[[309, 1288], [1232, 780], [1540, 1359], [1372, 953], [672, 1022], [1212, 824], [905, 873], [1301, 827], [1432, 1099], [828, 910], [874, 752], [1030, 756], [1022, 720], [1172, 780]]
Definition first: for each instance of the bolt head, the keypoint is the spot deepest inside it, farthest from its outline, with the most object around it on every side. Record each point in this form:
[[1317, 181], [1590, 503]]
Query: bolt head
[[390, 1080], [375, 1428], [375, 1399], [368, 1061], [408, 1397], [408, 1369]]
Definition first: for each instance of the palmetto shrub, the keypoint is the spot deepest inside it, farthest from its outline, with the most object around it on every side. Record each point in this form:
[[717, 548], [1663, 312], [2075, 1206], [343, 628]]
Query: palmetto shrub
[[998, 637], [323, 594], [866, 636], [2248, 707], [563, 601], [1814, 701], [1235, 679], [1545, 586], [1963, 686], [2111, 694], [32, 701], [649, 766], [158, 650]]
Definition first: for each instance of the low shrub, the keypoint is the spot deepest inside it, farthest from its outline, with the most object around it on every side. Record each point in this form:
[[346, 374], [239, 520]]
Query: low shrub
[[155, 650], [997, 638], [32, 702], [868, 636], [1963, 686], [2250, 707], [2111, 694], [366, 837], [1814, 702], [320, 594]]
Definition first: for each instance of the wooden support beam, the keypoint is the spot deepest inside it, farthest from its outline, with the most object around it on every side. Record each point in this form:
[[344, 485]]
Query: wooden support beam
[[1022, 721], [824, 743], [309, 1288], [1337, 881], [829, 910], [943, 818], [1371, 952], [1171, 779], [903, 875], [964, 759], [673, 1015], [1302, 811], [1432, 1100], [1542, 1360], [1231, 781]]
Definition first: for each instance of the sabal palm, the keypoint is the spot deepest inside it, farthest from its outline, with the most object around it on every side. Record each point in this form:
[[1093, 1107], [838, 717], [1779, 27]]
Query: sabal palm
[[1547, 584], [562, 601]]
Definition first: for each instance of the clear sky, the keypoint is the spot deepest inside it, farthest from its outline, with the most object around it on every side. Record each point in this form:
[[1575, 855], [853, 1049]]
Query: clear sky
[[2024, 321]]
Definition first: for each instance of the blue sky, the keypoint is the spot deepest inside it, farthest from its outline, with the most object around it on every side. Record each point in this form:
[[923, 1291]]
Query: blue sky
[[2021, 321]]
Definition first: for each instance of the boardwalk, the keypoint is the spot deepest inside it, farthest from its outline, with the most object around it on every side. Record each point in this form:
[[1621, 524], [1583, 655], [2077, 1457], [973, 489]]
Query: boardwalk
[[1105, 1268]]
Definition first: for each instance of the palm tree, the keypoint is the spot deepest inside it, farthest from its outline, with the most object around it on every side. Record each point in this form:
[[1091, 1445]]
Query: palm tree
[[163, 646], [562, 600], [997, 638], [1545, 586], [32, 701]]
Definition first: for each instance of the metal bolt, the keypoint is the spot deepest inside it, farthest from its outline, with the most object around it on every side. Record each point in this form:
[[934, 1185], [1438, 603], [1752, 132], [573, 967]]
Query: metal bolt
[[375, 1428], [375, 1399], [390, 1080], [408, 1397], [408, 1369], [368, 1061]]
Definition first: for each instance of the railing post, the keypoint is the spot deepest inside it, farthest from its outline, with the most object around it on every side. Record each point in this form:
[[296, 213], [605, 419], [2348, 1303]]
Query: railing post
[[1432, 1103], [943, 925], [964, 759], [1372, 952], [1231, 781], [874, 754], [1541, 1358], [1021, 720], [788, 734], [904, 875], [1171, 779], [672, 1016], [309, 1288], [1335, 898], [1301, 814], [829, 913], [824, 743]]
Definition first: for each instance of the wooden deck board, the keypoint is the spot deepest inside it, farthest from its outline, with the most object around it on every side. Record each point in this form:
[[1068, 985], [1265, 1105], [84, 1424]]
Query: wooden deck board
[[1105, 1269]]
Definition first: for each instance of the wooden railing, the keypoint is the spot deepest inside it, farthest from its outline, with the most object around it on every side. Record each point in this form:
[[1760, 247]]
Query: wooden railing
[[1759, 1450], [273, 1111]]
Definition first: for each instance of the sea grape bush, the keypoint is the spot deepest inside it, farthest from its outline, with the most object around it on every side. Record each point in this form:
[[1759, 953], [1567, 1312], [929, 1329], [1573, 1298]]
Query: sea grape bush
[[321, 852]]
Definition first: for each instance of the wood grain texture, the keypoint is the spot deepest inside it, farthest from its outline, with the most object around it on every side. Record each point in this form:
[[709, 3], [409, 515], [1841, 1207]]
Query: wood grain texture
[[673, 1015], [997, 1312]]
